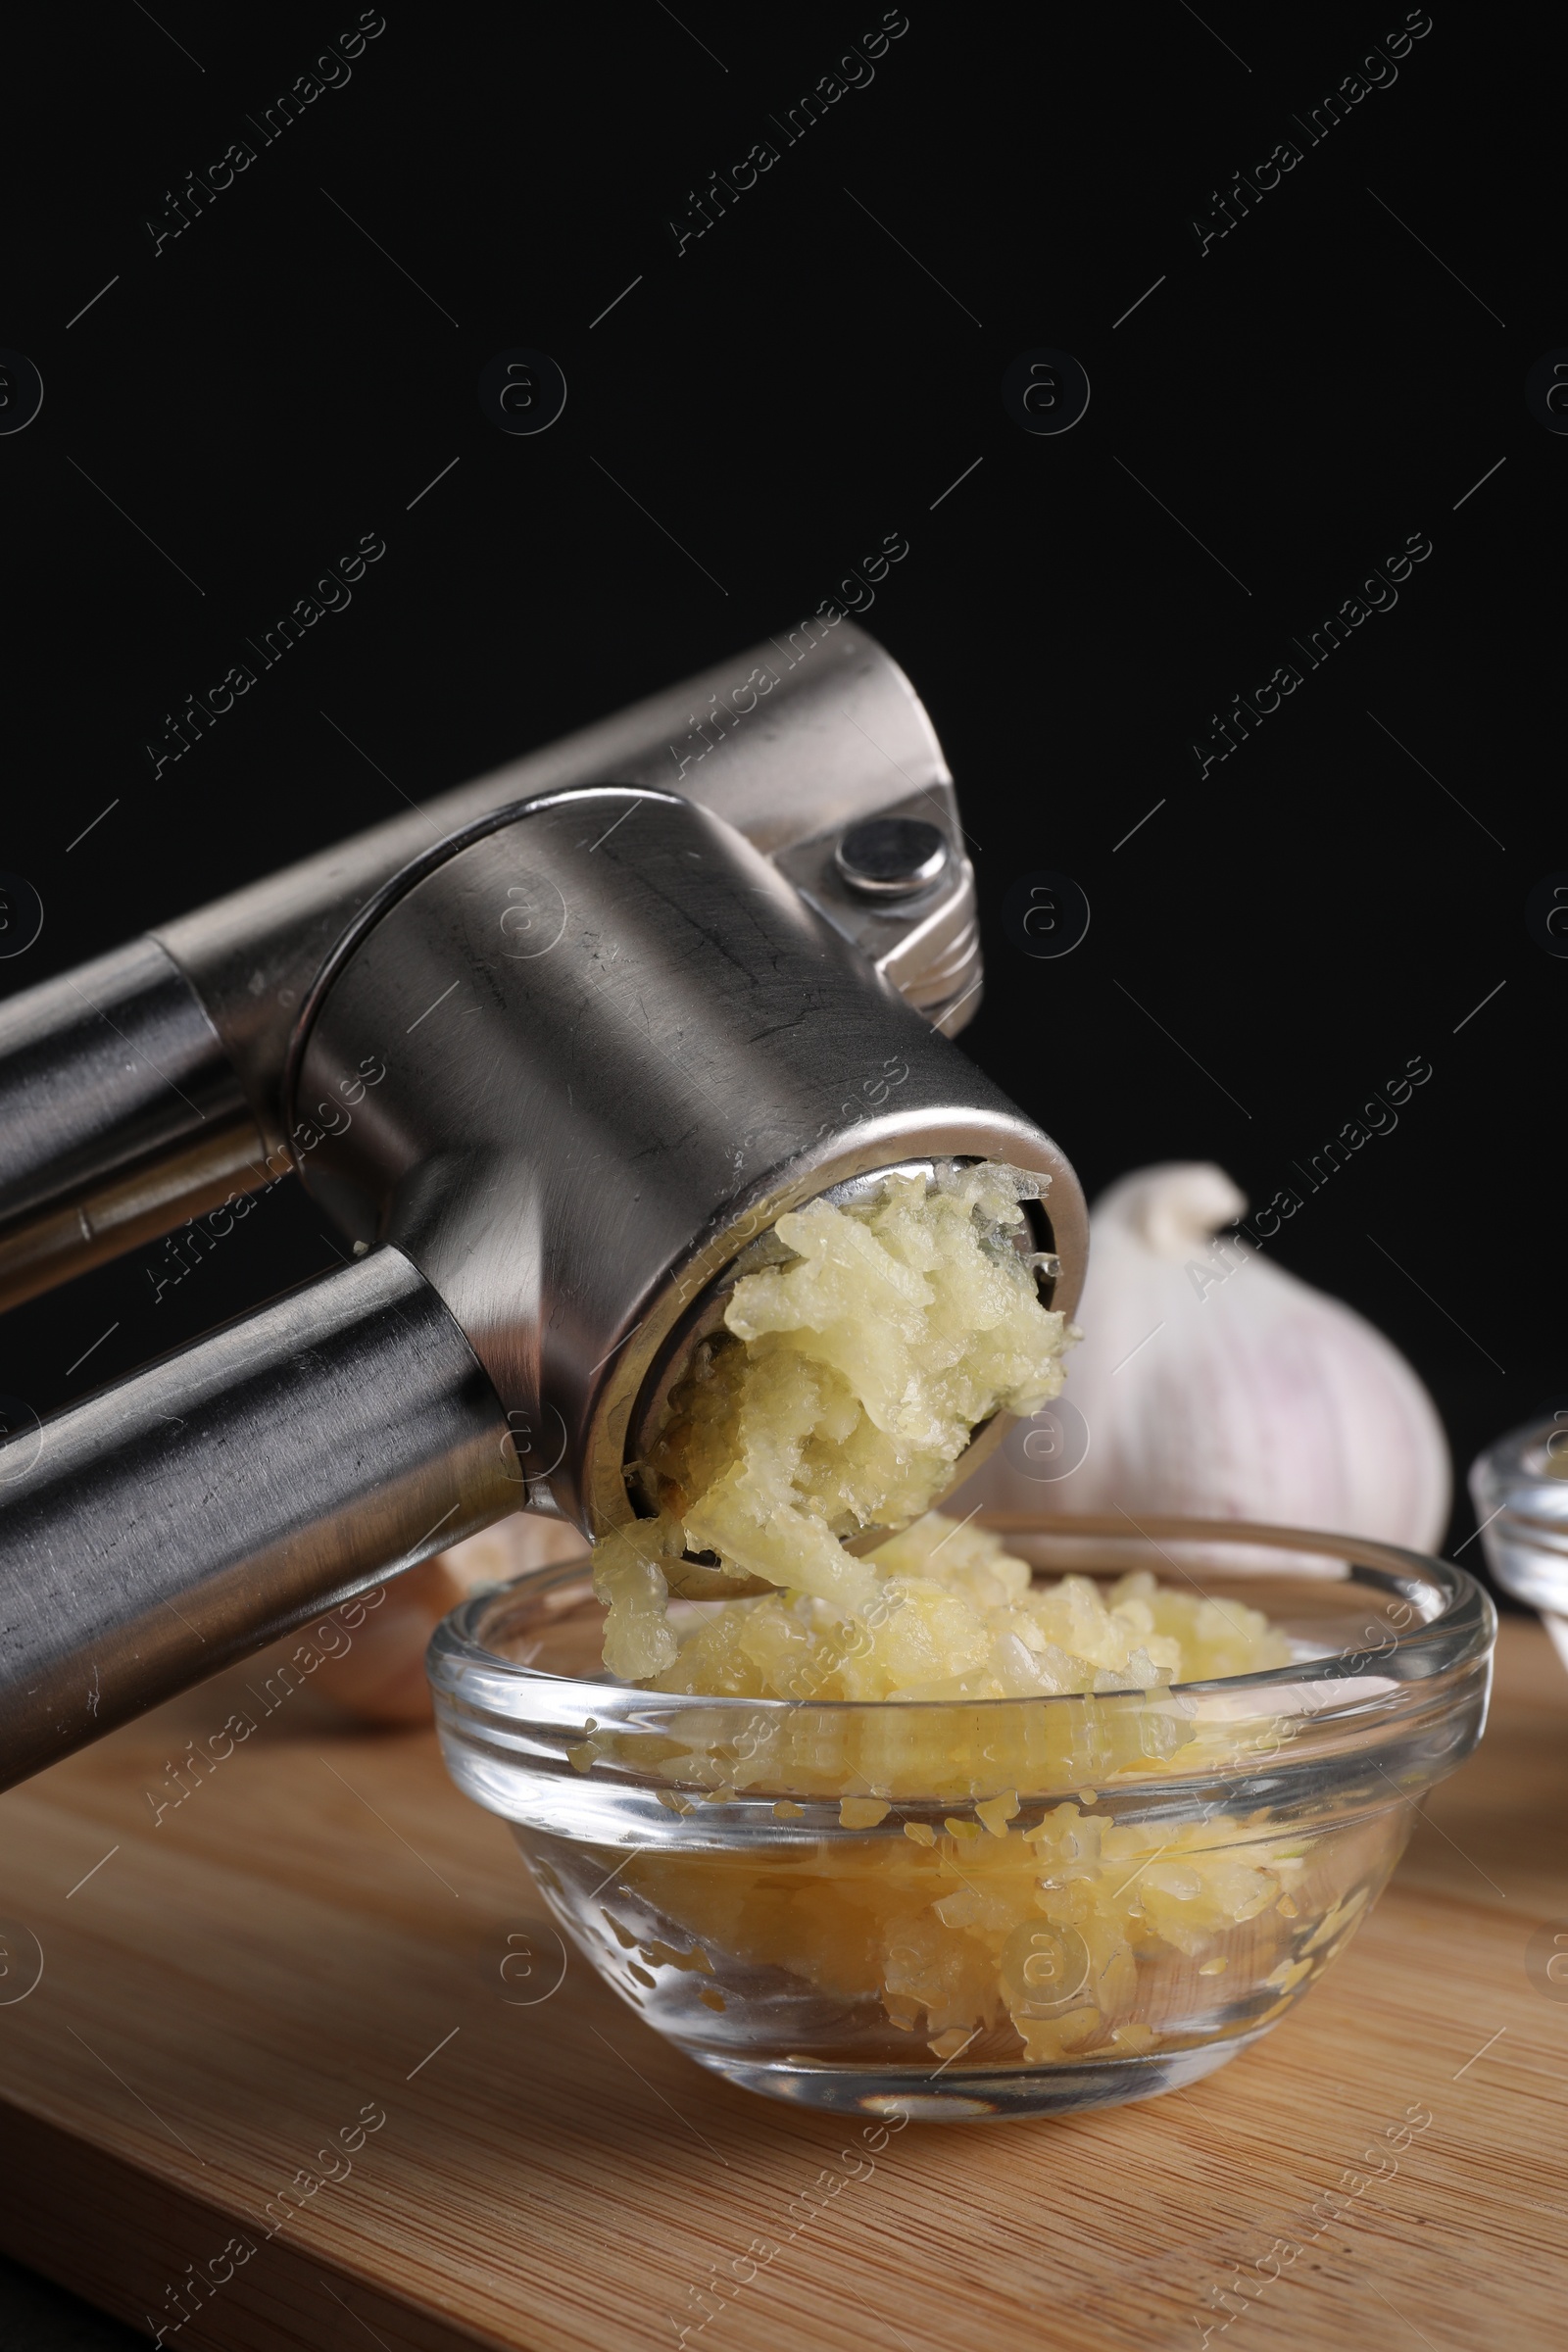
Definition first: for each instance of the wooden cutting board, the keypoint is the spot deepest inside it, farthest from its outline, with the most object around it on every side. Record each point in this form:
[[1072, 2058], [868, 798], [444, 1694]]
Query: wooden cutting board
[[326, 1932]]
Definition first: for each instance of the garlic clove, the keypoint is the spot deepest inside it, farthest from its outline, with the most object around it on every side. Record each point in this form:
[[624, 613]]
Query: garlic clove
[[1217, 1385], [380, 1678]]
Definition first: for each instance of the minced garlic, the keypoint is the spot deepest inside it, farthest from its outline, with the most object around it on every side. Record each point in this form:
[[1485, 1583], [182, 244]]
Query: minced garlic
[[850, 1381], [1058, 1935], [955, 1618], [973, 1921]]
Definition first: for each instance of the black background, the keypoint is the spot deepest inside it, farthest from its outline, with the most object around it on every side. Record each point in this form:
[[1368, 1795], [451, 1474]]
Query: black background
[[741, 428]]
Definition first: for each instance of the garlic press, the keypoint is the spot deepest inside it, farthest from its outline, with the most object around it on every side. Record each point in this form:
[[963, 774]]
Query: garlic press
[[550, 1052]]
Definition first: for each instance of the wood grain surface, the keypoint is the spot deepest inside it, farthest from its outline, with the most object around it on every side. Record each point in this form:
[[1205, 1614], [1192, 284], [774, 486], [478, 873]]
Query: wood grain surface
[[317, 1935]]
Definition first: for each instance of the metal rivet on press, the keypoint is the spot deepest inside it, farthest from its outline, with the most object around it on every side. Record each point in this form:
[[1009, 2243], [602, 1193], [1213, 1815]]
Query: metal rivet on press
[[891, 857]]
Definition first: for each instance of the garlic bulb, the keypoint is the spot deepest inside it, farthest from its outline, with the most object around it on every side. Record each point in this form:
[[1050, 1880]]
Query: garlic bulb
[[1214, 1384]]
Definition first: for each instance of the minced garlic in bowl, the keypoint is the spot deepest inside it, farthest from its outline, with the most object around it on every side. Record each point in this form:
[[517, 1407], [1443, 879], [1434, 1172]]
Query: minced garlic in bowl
[[968, 1825], [976, 1906]]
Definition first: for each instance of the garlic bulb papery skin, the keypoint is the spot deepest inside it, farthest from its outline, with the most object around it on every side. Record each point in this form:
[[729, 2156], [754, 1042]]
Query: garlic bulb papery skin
[[1237, 1395]]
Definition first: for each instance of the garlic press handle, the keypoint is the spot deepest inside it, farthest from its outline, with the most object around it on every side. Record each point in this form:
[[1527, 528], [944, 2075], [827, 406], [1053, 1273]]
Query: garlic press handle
[[173, 1524]]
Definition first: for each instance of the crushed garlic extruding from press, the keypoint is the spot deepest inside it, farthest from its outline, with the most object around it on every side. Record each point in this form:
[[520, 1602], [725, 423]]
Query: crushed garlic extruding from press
[[845, 1387]]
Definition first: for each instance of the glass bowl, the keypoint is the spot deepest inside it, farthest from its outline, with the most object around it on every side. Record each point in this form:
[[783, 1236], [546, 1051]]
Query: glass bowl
[[1004, 1907], [1520, 1489]]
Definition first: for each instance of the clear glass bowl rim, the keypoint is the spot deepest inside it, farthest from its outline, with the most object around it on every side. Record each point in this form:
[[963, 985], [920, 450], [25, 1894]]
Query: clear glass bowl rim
[[1521, 1505], [1515, 1468], [1460, 1635]]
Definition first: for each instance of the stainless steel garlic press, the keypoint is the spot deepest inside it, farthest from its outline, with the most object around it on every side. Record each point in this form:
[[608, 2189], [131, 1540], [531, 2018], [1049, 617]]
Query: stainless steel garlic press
[[551, 1052]]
